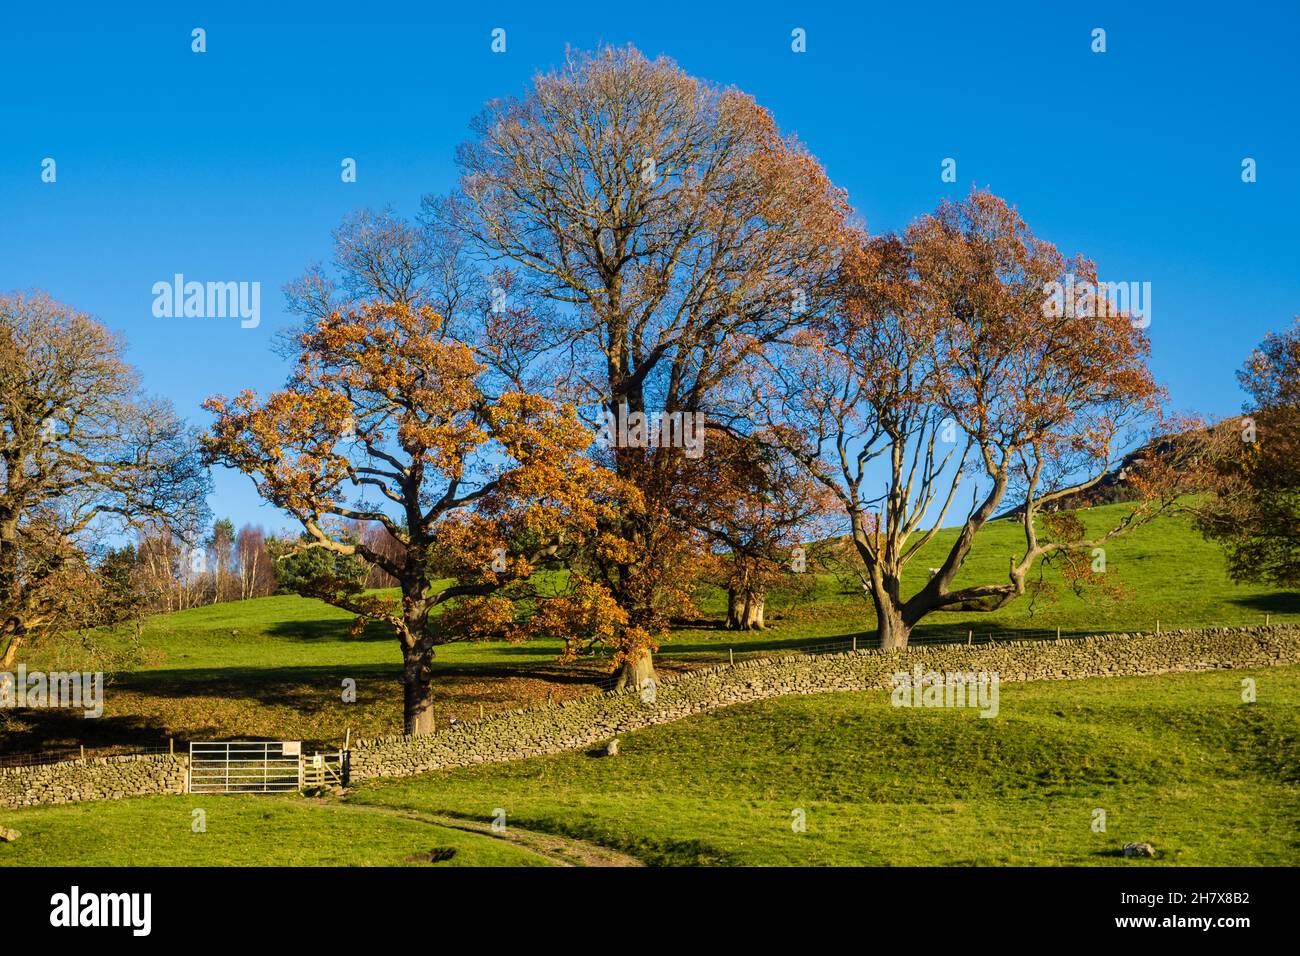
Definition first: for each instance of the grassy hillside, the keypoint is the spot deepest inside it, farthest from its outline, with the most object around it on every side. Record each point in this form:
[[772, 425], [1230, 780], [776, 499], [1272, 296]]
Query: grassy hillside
[[1170, 572], [1176, 760], [275, 667], [240, 831]]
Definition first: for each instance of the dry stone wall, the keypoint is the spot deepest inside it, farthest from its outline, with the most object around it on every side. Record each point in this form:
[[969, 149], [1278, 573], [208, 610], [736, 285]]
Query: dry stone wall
[[98, 778], [589, 721], [594, 720]]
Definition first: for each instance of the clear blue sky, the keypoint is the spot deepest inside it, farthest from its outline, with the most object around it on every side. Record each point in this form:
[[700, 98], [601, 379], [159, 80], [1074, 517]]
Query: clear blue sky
[[225, 165]]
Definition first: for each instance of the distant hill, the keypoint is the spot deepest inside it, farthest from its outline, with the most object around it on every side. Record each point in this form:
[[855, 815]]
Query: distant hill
[[1114, 487]]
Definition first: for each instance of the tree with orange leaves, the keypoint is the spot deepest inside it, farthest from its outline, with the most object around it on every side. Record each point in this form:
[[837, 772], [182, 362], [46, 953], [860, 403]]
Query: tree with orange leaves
[[947, 370], [390, 420]]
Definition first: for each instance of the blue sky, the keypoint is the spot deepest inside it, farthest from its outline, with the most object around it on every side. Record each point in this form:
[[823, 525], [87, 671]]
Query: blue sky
[[225, 165]]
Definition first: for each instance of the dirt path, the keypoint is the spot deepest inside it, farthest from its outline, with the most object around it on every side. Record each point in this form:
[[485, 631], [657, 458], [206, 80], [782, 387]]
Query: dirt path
[[560, 850]]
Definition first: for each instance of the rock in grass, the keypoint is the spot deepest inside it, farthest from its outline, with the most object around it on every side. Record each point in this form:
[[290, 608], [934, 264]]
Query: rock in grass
[[1139, 849], [8, 836], [438, 854]]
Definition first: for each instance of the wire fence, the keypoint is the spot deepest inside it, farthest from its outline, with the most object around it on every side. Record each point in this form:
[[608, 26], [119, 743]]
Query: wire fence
[[41, 757]]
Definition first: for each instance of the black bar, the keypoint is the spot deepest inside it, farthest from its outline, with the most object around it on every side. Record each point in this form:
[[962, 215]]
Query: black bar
[[960, 906]]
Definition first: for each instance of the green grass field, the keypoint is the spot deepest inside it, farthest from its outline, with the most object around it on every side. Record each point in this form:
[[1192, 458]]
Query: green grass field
[[1176, 760], [240, 831], [275, 667]]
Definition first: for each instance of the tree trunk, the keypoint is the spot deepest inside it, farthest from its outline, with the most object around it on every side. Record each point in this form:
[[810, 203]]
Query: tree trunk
[[744, 609], [634, 673], [417, 695], [890, 625], [417, 654], [11, 652]]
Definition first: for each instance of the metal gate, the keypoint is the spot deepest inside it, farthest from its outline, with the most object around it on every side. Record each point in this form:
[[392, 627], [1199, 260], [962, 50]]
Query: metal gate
[[246, 766]]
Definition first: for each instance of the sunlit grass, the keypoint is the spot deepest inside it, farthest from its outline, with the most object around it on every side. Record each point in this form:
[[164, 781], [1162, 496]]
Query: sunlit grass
[[238, 831], [1176, 760]]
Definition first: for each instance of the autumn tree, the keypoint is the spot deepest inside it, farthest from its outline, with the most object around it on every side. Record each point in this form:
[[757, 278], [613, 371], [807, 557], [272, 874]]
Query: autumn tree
[[1254, 505], [84, 454], [388, 419], [949, 378], [678, 232], [383, 257], [757, 508]]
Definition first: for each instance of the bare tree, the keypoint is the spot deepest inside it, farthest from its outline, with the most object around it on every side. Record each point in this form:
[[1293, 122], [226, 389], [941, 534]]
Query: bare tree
[[253, 562], [678, 231], [221, 551], [82, 452], [946, 366]]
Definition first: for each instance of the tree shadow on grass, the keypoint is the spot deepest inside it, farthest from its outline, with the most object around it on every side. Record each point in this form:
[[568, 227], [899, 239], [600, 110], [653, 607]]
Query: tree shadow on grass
[[61, 733], [313, 690], [1279, 602], [751, 642], [378, 632], [340, 631], [146, 707]]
